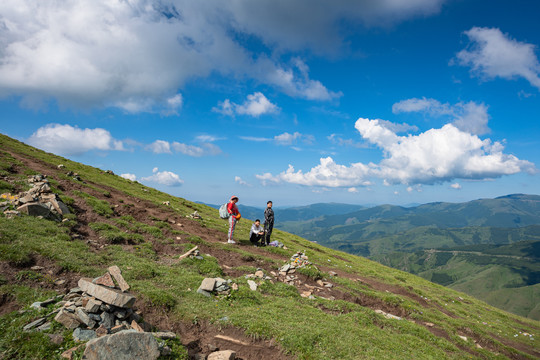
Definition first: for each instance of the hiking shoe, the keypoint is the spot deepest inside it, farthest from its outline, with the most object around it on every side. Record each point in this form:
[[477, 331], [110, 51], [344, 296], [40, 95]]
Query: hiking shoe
[[231, 241]]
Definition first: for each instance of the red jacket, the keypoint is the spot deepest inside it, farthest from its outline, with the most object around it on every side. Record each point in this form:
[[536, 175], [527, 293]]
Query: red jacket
[[232, 209]]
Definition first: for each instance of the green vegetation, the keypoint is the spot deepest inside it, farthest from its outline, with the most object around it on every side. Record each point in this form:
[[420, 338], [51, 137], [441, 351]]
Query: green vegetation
[[319, 328]]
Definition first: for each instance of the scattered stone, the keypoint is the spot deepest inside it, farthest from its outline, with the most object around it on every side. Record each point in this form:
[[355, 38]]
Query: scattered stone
[[259, 274], [306, 294], [55, 338], [36, 209], [234, 286], [117, 275], [34, 324], [387, 315], [222, 355], [93, 305], [136, 326], [67, 319], [208, 284], [110, 296], [252, 285], [68, 354], [101, 331], [166, 203], [44, 327], [464, 338], [83, 335], [83, 317], [119, 328], [10, 214], [60, 282], [125, 345], [428, 324], [332, 273], [107, 320], [105, 280], [164, 335]]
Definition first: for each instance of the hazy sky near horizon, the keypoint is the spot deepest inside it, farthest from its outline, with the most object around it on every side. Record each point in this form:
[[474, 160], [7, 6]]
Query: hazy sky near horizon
[[296, 101]]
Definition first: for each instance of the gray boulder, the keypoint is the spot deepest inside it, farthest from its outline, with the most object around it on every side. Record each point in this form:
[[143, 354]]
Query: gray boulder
[[125, 345]]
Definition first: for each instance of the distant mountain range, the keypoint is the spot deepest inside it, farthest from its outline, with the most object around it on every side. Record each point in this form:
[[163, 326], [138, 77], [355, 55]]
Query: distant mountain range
[[488, 248], [297, 213]]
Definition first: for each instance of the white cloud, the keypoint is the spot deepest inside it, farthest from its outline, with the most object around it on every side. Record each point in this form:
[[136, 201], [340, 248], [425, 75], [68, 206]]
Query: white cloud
[[435, 156], [160, 147], [173, 105], [207, 138], [205, 149], [456, 186], [493, 54], [255, 138], [167, 178], [470, 117], [240, 181], [438, 155], [164, 147], [129, 176], [289, 139], [352, 190], [338, 140], [137, 54], [256, 105], [69, 140]]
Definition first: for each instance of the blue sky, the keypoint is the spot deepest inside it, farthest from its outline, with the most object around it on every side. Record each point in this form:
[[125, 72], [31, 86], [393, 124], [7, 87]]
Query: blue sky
[[363, 102]]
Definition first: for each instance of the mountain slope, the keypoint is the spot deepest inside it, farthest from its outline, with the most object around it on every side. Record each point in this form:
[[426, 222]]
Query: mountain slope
[[119, 222]]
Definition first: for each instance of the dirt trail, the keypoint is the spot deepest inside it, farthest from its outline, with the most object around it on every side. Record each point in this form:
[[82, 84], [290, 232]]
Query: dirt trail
[[200, 338]]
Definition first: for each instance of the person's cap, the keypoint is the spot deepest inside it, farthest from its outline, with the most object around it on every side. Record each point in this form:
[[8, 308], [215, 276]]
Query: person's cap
[[234, 197]]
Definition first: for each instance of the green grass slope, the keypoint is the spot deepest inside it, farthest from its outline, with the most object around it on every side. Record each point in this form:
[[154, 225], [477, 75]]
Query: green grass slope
[[505, 276], [119, 222]]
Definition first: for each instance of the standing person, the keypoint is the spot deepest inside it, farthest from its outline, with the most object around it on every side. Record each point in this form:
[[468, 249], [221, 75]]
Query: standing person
[[234, 217], [268, 222], [256, 233]]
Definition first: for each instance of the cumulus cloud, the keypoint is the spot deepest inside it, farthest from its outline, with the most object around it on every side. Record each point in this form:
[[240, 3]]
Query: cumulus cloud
[[160, 147], [129, 176], [167, 178], [69, 140], [352, 190], [470, 117], [137, 54], [434, 156], [255, 138], [456, 186], [204, 149], [289, 139], [256, 105], [240, 181], [493, 54]]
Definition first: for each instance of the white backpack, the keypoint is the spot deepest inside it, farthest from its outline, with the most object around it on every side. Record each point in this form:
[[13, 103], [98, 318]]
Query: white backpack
[[223, 212]]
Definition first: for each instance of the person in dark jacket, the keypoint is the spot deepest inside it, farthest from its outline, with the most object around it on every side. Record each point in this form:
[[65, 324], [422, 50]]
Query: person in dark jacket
[[268, 222]]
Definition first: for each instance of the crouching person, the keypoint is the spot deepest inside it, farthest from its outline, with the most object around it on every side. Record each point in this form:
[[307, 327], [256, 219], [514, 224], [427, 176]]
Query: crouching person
[[256, 233]]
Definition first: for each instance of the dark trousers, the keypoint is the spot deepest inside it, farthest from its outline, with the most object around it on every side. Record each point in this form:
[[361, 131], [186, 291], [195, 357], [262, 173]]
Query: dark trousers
[[255, 238], [268, 232]]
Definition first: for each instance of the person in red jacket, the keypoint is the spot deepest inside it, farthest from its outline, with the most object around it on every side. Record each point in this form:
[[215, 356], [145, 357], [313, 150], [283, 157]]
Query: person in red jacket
[[234, 217]]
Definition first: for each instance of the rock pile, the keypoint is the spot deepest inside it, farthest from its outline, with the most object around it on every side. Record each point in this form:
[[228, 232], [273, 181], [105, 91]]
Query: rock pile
[[38, 201], [101, 313], [218, 286]]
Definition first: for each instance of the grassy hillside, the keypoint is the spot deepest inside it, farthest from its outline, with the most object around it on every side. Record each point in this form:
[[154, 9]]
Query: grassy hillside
[[119, 222], [506, 276]]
